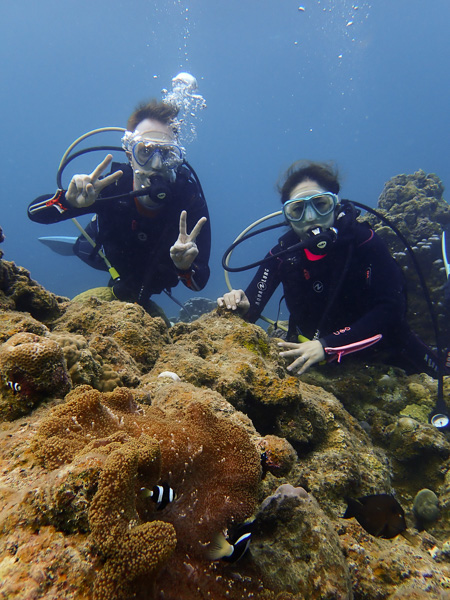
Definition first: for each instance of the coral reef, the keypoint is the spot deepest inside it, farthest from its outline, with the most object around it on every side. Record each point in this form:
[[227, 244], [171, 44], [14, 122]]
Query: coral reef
[[128, 325], [416, 206], [207, 409], [19, 292], [31, 367]]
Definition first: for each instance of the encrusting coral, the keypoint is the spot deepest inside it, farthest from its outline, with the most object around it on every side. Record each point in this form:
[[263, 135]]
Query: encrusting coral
[[21, 293], [31, 367], [127, 325], [223, 428]]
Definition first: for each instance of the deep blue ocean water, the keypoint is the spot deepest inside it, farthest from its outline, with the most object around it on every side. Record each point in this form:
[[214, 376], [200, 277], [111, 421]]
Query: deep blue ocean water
[[363, 84]]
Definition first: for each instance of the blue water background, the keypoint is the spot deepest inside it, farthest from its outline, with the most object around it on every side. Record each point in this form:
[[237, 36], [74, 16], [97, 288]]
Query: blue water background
[[363, 84]]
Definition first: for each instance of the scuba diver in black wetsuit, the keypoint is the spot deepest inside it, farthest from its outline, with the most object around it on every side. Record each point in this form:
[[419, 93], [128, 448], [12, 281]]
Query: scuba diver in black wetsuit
[[343, 290], [154, 238]]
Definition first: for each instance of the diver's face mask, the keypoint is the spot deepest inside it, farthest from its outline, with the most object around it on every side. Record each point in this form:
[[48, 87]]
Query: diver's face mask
[[155, 158], [151, 155], [322, 203], [310, 210], [152, 151]]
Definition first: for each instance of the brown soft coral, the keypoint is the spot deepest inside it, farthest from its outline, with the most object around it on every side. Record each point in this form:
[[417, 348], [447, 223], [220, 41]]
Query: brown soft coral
[[31, 367], [209, 460], [131, 550], [84, 417]]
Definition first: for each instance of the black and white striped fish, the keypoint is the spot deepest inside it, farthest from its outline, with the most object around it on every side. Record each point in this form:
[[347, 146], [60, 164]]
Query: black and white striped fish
[[14, 386], [162, 495]]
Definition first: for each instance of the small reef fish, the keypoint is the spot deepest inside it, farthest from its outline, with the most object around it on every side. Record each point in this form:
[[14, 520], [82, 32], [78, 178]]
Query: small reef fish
[[14, 386], [233, 548], [380, 515], [162, 495]]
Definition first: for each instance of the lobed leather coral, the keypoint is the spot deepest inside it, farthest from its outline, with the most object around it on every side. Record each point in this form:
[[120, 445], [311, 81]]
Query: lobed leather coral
[[131, 551], [31, 367], [208, 459]]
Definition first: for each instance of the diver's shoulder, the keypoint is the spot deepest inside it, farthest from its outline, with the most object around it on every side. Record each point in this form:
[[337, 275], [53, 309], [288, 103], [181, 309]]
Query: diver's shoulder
[[364, 233]]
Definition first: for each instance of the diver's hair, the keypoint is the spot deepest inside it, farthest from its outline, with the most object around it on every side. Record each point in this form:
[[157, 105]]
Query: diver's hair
[[163, 112], [325, 174]]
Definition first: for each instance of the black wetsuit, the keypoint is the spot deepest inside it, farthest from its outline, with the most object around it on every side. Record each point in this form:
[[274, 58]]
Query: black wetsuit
[[353, 293], [135, 241]]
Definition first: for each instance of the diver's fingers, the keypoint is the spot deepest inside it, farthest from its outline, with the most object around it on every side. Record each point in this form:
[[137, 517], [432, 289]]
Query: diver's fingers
[[302, 365], [72, 190], [91, 194], [183, 219], [100, 168], [108, 180], [293, 345], [298, 363], [295, 352], [230, 300], [198, 227], [76, 194]]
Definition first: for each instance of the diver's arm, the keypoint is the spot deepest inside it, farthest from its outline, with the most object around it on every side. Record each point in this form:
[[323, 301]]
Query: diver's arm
[[54, 208], [386, 292], [261, 288]]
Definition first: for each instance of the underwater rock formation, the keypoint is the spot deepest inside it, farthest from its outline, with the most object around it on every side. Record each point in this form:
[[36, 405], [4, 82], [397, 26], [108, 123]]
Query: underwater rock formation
[[31, 367], [416, 206], [19, 292], [426, 508], [194, 308], [234, 435], [286, 516], [126, 325]]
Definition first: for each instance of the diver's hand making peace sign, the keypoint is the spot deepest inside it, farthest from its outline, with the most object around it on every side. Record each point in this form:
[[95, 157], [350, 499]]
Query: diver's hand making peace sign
[[83, 190], [184, 251]]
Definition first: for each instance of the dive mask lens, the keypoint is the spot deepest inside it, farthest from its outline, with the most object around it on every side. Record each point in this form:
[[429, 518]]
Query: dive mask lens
[[323, 204], [170, 155]]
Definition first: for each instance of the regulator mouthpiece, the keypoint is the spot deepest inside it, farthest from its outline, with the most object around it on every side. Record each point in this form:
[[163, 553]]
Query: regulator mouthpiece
[[320, 240]]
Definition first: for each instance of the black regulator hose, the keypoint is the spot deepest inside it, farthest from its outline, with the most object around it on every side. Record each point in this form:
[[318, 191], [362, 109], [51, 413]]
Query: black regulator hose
[[71, 157]]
